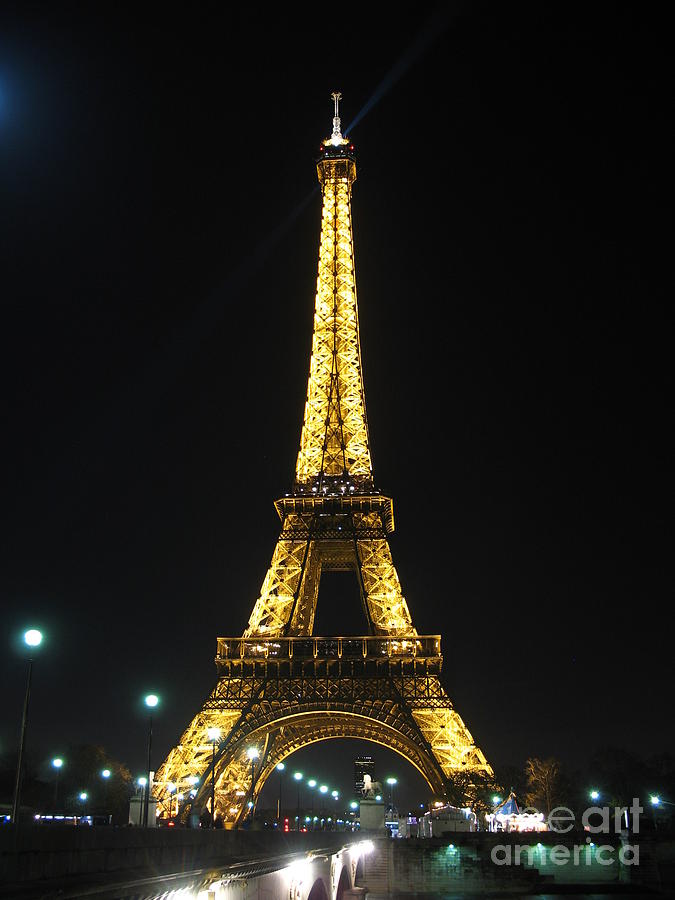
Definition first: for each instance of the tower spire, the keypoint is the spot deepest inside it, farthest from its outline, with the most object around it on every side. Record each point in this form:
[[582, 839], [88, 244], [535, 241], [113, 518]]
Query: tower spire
[[336, 136]]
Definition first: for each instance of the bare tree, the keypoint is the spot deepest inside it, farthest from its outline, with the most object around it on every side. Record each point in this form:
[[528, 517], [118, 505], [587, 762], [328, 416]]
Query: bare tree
[[544, 783]]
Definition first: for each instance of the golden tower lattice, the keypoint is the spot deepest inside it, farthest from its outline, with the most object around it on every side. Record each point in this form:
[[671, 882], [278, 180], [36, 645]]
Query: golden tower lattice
[[279, 687]]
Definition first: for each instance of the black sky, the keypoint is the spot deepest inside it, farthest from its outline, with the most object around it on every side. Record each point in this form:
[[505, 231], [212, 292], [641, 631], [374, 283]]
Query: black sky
[[159, 241]]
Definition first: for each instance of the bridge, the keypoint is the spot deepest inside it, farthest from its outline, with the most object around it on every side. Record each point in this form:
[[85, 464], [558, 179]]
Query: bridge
[[153, 864], [203, 864]]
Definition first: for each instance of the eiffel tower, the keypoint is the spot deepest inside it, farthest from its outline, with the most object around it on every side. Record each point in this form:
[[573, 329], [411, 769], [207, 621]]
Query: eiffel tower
[[280, 687]]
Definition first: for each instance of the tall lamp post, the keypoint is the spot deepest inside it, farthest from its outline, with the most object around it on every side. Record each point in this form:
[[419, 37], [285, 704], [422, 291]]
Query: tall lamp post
[[105, 775], [298, 778], [391, 782], [31, 638], [280, 770], [323, 790], [57, 763], [335, 795], [312, 784], [151, 701], [253, 754], [214, 735]]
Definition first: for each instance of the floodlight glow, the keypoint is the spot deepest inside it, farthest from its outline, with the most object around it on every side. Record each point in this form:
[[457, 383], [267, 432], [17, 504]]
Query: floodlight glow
[[33, 637], [106, 773], [595, 795], [496, 799], [213, 733], [280, 767], [192, 779], [323, 788], [297, 776], [354, 804], [655, 800], [312, 782], [253, 753], [142, 781], [57, 762], [392, 781], [151, 700], [83, 795]]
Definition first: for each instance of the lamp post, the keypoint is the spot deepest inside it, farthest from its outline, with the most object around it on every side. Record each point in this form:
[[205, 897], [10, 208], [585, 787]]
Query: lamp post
[[323, 790], [312, 784], [298, 778], [253, 754], [105, 775], [391, 782], [31, 638], [214, 735], [280, 770], [151, 701], [142, 783], [335, 795], [57, 763]]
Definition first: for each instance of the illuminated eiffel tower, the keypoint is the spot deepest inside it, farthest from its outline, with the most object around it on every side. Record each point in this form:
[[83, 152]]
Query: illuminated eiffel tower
[[279, 687]]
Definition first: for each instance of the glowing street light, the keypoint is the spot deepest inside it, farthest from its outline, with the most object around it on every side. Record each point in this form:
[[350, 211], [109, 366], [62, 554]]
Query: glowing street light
[[57, 763], [594, 795], [298, 778], [151, 701], [391, 782], [253, 753], [655, 800], [280, 770], [496, 799], [32, 639], [83, 795], [106, 773], [214, 736]]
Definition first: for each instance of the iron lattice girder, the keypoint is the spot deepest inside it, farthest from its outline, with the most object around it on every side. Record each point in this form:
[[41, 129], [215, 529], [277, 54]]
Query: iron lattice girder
[[334, 439]]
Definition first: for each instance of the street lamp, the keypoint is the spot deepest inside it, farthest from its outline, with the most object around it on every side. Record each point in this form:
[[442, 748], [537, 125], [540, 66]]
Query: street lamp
[[253, 753], [57, 763], [391, 782], [31, 638], [151, 701], [298, 778], [335, 795], [312, 784], [594, 795], [496, 799], [214, 735], [280, 770], [324, 790]]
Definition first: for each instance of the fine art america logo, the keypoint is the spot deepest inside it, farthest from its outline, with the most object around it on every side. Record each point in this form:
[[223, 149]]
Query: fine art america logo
[[596, 820]]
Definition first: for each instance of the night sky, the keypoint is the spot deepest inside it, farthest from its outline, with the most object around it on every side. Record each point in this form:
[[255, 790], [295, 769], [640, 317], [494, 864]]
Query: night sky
[[159, 238]]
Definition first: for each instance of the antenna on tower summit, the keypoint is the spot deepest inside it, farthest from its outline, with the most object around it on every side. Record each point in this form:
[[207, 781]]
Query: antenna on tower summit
[[337, 134]]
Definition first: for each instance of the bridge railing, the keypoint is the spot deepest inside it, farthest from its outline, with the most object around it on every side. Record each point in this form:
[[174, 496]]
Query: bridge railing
[[359, 647]]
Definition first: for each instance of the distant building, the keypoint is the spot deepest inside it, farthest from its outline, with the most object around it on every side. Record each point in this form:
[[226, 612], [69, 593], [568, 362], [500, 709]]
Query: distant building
[[363, 765]]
